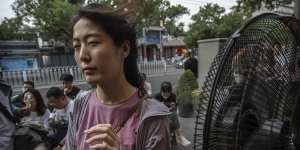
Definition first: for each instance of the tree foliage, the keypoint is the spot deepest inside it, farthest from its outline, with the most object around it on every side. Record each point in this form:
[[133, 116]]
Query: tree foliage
[[249, 6], [8, 28], [154, 12], [212, 22], [49, 17], [186, 82], [159, 11]]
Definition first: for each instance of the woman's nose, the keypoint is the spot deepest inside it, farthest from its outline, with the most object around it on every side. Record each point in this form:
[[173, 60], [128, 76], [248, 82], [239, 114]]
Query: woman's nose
[[84, 54]]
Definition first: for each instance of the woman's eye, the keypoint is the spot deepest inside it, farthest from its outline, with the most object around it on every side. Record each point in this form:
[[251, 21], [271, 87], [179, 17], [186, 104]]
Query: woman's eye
[[93, 43], [77, 46]]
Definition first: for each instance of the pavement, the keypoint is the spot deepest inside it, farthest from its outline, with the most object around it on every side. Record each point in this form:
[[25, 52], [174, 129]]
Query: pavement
[[187, 126]]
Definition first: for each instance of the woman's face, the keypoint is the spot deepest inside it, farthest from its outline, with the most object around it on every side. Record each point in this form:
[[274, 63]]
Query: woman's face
[[95, 52], [165, 95], [30, 101]]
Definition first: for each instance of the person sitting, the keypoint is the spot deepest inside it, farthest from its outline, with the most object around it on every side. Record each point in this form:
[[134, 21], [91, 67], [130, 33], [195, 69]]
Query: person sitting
[[35, 119], [35, 109], [59, 117], [17, 100], [167, 97], [69, 89]]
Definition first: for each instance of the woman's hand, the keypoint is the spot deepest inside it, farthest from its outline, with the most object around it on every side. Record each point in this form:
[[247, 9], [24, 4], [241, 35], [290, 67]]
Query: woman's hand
[[102, 137]]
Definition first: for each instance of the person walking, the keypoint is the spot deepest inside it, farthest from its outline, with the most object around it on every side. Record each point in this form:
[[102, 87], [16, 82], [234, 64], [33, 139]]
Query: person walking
[[167, 97], [191, 63], [115, 114]]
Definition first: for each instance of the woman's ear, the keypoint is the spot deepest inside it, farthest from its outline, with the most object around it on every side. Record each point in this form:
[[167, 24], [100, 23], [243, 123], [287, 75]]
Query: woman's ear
[[125, 49]]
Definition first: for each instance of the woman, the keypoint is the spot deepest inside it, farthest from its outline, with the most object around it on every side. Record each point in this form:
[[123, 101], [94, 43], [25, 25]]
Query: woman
[[115, 114], [37, 113], [167, 97]]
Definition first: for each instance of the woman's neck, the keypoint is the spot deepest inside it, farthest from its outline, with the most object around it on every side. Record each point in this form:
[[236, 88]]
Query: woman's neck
[[115, 92]]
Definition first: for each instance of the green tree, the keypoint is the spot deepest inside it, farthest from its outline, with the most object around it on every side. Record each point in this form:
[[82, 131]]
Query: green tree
[[231, 22], [205, 24], [159, 11], [249, 6], [187, 81], [212, 22], [153, 13], [49, 17], [185, 85], [107, 2], [8, 28], [11, 29]]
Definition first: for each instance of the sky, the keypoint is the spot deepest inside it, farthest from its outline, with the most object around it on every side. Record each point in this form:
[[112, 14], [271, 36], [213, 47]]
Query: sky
[[192, 5]]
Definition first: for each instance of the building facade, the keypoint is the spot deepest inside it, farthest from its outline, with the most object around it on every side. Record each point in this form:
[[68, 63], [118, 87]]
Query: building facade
[[22, 55], [157, 45]]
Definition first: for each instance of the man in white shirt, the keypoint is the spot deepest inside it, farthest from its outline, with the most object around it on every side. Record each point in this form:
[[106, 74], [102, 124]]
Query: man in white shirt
[[7, 125], [59, 117]]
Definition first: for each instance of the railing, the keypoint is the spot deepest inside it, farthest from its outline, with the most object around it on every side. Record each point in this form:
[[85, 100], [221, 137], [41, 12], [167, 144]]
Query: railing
[[51, 75], [42, 76], [152, 68]]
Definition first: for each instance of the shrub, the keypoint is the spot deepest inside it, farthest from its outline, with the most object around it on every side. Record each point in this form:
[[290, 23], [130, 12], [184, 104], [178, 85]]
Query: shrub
[[196, 98], [187, 81], [185, 105]]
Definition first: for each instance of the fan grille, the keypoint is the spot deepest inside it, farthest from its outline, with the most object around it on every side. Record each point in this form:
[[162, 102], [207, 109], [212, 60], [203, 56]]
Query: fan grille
[[247, 96]]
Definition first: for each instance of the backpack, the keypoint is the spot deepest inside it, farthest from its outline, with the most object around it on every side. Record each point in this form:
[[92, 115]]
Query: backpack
[[26, 136], [30, 136]]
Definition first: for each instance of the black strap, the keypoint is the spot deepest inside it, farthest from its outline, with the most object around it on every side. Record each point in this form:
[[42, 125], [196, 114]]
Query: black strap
[[6, 113]]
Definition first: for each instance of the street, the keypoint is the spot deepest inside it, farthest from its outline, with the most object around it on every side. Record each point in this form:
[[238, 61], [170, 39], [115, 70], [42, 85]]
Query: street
[[187, 126]]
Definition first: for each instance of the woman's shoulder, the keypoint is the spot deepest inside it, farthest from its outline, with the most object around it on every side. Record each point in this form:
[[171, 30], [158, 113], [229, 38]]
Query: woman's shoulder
[[153, 126], [152, 107], [80, 102], [82, 97]]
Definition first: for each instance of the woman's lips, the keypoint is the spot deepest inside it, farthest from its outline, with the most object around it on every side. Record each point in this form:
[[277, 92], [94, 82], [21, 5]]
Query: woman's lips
[[88, 70]]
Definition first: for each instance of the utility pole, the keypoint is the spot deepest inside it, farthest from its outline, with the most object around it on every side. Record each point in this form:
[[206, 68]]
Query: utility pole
[[297, 9]]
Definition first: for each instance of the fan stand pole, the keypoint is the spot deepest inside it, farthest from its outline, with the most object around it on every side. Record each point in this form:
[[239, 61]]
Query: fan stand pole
[[297, 9]]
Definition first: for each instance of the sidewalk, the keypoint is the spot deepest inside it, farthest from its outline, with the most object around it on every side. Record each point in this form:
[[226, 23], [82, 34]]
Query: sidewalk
[[187, 126]]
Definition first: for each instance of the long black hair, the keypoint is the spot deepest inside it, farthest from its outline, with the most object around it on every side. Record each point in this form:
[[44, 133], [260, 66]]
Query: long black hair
[[166, 86], [115, 24], [40, 105]]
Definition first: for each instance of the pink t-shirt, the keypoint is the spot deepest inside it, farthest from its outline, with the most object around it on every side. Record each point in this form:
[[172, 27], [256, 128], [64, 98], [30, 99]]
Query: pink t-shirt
[[99, 113]]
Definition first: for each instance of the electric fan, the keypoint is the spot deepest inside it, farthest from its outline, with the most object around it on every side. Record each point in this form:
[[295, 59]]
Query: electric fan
[[250, 91]]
